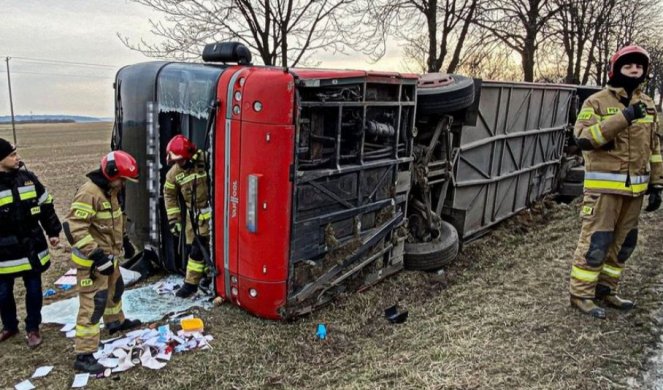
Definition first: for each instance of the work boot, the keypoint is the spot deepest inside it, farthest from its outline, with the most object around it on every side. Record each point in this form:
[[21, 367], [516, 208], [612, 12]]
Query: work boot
[[186, 290], [127, 324], [588, 306], [605, 294], [33, 338], [87, 363], [7, 334], [618, 303]]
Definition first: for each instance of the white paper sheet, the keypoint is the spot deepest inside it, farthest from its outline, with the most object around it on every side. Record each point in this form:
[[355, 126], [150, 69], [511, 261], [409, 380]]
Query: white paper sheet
[[42, 371], [109, 362], [25, 385], [68, 327], [71, 334], [80, 380]]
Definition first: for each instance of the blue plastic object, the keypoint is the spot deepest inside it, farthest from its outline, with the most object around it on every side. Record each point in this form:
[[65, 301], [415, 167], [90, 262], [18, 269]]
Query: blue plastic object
[[322, 331], [66, 287], [49, 292], [163, 333]]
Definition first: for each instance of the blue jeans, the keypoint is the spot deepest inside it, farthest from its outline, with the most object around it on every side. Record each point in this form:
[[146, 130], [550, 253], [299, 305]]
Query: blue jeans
[[33, 301]]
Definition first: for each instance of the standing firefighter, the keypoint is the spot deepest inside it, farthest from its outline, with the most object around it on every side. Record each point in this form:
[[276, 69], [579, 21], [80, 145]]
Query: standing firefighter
[[617, 131], [95, 229], [24, 205], [188, 177]]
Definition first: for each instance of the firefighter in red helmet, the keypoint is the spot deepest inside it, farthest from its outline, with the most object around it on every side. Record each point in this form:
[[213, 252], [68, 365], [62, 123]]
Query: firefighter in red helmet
[[188, 177], [95, 228], [617, 129]]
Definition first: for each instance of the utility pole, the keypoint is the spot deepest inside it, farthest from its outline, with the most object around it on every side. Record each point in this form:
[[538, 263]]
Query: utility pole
[[11, 103]]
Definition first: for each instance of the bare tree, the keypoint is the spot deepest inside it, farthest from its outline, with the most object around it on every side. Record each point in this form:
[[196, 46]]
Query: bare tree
[[521, 24], [446, 23], [579, 24], [282, 32]]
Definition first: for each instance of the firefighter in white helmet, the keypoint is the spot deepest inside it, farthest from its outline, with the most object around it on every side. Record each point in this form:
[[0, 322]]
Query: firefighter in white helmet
[[617, 129], [188, 177]]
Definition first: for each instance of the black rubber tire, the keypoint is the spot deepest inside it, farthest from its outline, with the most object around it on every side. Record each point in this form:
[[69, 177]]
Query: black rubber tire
[[428, 256], [575, 175], [446, 99], [571, 190]]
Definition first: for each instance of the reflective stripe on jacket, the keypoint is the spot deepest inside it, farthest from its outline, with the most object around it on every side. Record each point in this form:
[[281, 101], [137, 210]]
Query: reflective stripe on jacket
[[621, 151], [184, 181], [95, 221]]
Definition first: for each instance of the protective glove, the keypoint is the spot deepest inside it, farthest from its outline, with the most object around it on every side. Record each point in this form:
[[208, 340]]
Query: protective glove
[[175, 228], [654, 192], [635, 111], [102, 262]]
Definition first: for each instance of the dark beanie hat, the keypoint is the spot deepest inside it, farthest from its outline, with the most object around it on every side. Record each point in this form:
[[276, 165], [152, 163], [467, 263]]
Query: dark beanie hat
[[6, 148]]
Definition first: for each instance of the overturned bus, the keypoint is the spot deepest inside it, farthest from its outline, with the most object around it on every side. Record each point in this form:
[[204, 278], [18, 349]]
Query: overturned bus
[[328, 181]]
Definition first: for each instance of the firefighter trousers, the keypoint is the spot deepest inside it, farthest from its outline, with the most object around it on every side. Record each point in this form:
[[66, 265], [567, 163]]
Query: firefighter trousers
[[99, 297], [608, 237], [195, 266]]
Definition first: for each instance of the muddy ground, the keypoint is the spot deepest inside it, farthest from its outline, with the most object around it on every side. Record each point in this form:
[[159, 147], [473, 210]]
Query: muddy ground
[[498, 319]]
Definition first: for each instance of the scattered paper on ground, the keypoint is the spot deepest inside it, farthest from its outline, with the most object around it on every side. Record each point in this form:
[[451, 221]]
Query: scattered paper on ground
[[80, 380], [144, 303], [42, 371], [25, 385], [69, 278]]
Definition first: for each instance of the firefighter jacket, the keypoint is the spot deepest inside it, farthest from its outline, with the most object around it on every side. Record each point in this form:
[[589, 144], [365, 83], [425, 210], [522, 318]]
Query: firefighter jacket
[[191, 182], [626, 158], [24, 205], [95, 220]]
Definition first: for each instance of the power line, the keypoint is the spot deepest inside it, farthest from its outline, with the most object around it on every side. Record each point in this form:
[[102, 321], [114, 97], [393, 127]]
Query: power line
[[48, 61], [60, 74]]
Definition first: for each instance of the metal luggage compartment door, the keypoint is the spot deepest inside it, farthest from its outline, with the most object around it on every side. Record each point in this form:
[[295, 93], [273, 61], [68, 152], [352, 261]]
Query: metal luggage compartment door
[[511, 157]]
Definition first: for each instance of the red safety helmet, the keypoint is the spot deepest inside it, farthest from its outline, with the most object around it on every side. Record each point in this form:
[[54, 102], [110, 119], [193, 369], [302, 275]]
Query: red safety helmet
[[119, 164], [632, 51], [180, 148]]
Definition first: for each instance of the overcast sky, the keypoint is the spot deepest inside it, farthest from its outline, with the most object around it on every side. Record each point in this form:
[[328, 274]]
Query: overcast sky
[[39, 35]]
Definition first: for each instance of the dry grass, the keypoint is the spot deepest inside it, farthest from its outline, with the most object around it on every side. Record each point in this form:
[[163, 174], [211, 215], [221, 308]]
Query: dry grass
[[499, 319]]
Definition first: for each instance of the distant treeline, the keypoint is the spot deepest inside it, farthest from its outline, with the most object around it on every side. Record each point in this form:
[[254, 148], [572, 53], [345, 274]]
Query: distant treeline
[[40, 121]]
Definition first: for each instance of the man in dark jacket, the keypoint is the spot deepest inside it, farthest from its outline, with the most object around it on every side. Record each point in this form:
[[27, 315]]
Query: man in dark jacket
[[24, 206]]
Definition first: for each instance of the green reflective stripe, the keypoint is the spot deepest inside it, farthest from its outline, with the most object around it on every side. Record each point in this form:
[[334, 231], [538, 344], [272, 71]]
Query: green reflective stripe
[[169, 185], [44, 257], [613, 272], [584, 275], [78, 258], [45, 198], [87, 330], [6, 197], [15, 266], [646, 119], [615, 182], [587, 113], [191, 177], [195, 266], [27, 192], [84, 241], [107, 214], [113, 309], [655, 158], [595, 130], [615, 186], [83, 207], [173, 210], [205, 214], [613, 110]]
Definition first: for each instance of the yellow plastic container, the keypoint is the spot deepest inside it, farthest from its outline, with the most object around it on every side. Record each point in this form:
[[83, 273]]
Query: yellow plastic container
[[192, 324]]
